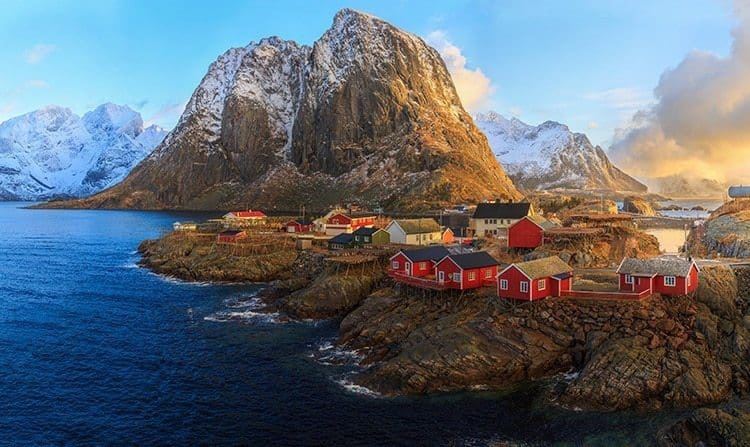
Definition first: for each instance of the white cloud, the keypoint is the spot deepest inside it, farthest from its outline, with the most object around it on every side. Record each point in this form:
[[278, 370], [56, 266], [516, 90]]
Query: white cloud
[[699, 124], [473, 86], [593, 125], [167, 115], [38, 52]]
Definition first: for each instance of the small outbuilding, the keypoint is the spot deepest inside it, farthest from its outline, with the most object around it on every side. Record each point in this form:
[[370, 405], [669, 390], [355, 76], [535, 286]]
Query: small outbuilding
[[535, 280], [371, 236], [424, 231], [417, 262], [230, 236], [467, 270], [299, 225], [668, 275], [341, 241]]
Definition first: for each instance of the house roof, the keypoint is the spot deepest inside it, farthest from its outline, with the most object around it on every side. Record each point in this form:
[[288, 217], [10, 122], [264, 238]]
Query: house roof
[[343, 238], [669, 266], [301, 221], [418, 226], [248, 213], [231, 232], [364, 231], [473, 260], [544, 267], [496, 210], [432, 253]]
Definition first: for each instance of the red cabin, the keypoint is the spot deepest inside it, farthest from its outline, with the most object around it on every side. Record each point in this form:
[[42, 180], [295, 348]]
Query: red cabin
[[669, 275], [247, 215], [525, 234], [466, 271], [342, 223], [535, 280], [418, 262], [230, 236], [299, 226]]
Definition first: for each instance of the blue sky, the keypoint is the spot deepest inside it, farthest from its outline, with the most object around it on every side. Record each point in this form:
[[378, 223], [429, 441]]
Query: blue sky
[[589, 64]]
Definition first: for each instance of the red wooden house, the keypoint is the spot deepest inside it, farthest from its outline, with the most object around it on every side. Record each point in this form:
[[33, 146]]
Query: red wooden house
[[466, 271], [669, 275], [418, 262], [298, 226], [230, 236], [535, 280], [343, 223], [525, 233]]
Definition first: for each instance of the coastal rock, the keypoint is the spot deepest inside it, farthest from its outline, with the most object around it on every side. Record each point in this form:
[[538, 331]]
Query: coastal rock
[[637, 205], [725, 233], [710, 427]]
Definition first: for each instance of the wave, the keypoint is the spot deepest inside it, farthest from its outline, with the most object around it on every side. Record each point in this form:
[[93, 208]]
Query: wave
[[248, 316], [329, 354], [353, 388]]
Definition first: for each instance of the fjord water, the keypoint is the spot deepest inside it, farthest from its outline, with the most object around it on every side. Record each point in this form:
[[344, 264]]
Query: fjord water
[[94, 350]]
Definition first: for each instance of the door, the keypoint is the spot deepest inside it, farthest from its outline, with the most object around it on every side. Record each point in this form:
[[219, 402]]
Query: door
[[441, 277], [408, 268]]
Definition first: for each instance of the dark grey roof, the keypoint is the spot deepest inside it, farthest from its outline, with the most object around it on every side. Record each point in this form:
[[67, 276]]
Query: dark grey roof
[[474, 260], [343, 238], [501, 210], [563, 276], [433, 253], [669, 266], [364, 231]]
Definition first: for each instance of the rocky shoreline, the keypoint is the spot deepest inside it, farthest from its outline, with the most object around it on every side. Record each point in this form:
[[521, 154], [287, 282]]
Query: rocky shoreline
[[683, 352]]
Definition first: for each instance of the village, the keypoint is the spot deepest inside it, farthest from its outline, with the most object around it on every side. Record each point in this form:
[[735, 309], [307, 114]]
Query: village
[[500, 248]]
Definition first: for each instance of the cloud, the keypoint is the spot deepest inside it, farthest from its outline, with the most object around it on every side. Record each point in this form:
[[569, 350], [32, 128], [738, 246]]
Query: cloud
[[473, 86], [593, 125], [38, 52], [167, 115], [699, 125], [620, 98]]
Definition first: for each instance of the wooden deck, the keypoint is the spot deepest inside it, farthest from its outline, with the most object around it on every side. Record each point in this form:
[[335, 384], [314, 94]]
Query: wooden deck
[[424, 283]]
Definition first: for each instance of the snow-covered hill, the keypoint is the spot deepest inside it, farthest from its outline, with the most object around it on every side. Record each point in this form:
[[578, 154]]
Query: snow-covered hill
[[53, 152], [550, 156]]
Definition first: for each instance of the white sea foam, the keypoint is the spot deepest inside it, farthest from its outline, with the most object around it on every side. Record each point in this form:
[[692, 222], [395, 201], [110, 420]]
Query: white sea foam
[[329, 354], [351, 387], [247, 316]]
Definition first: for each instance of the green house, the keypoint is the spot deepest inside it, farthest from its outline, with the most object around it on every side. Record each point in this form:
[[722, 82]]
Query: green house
[[371, 236]]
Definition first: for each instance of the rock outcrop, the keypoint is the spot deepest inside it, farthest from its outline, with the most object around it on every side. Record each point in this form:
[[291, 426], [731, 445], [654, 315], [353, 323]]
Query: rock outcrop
[[637, 205], [726, 232], [369, 113]]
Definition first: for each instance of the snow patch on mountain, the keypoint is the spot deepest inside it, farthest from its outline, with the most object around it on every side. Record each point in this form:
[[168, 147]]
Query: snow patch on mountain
[[550, 156], [53, 152]]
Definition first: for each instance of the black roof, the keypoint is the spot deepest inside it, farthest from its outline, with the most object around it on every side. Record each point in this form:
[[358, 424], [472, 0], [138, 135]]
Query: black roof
[[364, 231], [343, 238], [563, 276], [501, 210], [231, 232], [433, 253], [474, 260]]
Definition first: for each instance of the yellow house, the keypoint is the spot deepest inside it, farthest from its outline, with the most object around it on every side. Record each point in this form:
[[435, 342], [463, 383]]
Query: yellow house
[[494, 218], [415, 231]]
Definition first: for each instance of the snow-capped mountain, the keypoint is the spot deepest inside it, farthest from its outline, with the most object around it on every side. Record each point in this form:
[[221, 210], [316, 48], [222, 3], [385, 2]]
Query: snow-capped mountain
[[369, 113], [52, 152], [550, 156]]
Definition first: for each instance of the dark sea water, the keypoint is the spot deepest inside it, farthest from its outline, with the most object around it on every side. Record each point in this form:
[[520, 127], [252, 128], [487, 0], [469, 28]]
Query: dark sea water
[[95, 351]]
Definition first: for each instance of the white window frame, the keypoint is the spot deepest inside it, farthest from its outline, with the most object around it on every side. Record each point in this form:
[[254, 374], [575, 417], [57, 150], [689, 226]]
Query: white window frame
[[524, 286], [394, 265], [629, 279], [422, 265], [503, 284], [670, 281], [472, 276], [542, 284], [441, 276], [487, 274], [456, 277]]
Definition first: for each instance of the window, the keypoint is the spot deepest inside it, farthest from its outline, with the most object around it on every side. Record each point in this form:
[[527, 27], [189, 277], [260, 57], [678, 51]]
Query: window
[[628, 279], [542, 284], [486, 221], [503, 284], [670, 281], [457, 277], [394, 264], [422, 265], [524, 286], [487, 274], [472, 276], [688, 280]]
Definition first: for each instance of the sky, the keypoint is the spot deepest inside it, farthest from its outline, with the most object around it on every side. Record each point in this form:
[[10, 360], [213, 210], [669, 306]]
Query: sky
[[590, 64]]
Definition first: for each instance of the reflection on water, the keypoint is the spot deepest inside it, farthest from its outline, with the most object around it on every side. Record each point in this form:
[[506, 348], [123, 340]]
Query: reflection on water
[[670, 239]]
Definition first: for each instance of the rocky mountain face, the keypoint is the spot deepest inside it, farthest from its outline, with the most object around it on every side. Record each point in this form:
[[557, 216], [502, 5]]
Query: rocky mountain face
[[52, 152], [682, 186], [368, 113], [550, 156]]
